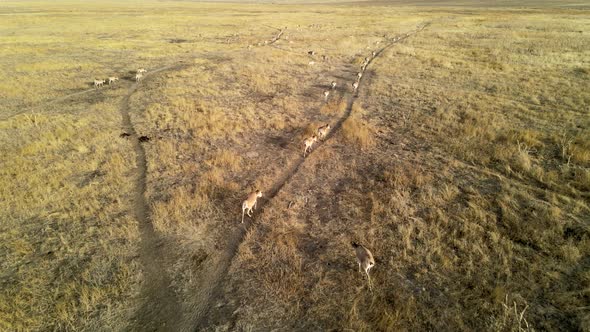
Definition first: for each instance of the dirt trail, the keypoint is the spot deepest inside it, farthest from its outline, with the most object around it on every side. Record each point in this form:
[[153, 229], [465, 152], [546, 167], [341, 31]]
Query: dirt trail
[[160, 309], [212, 279]]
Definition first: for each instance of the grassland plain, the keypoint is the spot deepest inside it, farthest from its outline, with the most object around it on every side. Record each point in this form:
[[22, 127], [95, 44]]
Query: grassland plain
[[464, 166]]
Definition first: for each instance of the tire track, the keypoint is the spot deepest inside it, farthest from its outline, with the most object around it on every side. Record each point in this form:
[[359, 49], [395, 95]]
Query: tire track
[[212, 279]]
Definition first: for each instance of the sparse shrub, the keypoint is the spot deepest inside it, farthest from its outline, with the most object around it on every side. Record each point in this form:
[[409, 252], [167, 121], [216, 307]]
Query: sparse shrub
[[522, 161], [511, 318]]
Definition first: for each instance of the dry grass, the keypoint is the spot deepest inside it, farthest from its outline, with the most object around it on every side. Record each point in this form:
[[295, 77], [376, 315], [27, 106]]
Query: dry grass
[[357, 131], [334, 107], [464, 166], [466, 196], [68, 238]]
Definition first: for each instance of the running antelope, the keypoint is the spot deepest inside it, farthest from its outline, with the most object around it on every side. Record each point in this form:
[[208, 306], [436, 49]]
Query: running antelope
[[98, 83], [113, 80], [138, 77], [250, 203], [323, 131], [308, 143], [333, 85], [365, 259], [326, 95]]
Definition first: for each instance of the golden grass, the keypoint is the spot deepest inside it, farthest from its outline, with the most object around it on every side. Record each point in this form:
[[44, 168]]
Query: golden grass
[[334, 106], [68, 237], [358, 132], [465, 170], [471, 199]]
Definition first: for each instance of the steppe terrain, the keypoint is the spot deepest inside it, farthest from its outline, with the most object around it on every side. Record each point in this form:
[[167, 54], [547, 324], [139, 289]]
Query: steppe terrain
[[462, 161]]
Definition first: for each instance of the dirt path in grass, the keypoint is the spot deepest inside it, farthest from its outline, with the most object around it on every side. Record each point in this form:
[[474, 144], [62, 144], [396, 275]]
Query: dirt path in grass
[[160, 308], [212, 279]]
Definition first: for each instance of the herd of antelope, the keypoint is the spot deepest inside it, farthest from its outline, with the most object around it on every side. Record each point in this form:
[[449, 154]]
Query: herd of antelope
[[364, 256], [98, 83]]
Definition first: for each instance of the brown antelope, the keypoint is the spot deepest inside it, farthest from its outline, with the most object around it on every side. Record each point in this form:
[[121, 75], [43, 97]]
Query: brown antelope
[[323, 131], [138, 77], [250, 203], [326, 95], [333, 85], [365, 260], [308, 143], [355, 86]]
